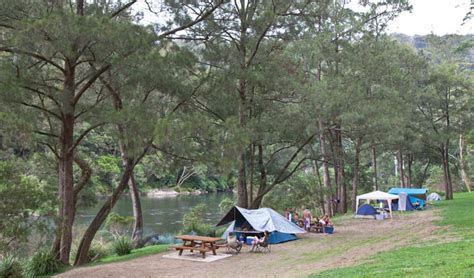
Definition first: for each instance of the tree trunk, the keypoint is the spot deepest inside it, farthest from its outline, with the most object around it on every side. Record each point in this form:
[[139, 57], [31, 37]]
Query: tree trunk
[[409, 170], [464, 175], [251, 169], [242, 196], [86, 173], [448, 188], [137, 233], [355, 179], [80, 7], [374, 168], [321, 187], [400, 168], [99, 219], [448, 180], [262, 181], [242, 183], [326, 177], [425, 173], [66, 165], [339, 171]]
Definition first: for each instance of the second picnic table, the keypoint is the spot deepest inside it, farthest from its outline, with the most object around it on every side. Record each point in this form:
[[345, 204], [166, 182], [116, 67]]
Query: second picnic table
[[202, 244]]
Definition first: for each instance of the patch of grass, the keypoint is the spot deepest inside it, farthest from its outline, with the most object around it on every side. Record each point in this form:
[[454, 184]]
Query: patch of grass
[[136, 253], [458, 214], [441, 260]]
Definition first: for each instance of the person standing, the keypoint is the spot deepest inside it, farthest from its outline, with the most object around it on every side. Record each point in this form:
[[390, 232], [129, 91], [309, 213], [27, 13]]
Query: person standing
[[307, 219]]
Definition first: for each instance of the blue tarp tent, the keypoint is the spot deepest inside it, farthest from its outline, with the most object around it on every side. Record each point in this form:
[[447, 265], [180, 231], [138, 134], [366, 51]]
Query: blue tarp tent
[[260, 220], [409, 206], [366, 210], [415, 195]]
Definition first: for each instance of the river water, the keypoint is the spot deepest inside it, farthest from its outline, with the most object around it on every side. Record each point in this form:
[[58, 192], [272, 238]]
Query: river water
[[162, 215]]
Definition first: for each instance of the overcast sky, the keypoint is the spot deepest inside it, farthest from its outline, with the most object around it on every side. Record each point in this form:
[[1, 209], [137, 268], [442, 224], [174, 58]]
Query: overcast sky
[[434, 16], [428, 16]]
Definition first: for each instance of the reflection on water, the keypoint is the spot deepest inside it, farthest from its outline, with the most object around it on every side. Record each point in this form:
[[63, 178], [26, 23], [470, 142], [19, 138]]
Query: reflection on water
[[162, 215]]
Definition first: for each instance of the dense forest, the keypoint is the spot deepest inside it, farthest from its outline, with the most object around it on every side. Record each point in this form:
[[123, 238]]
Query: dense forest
[[288, 103]]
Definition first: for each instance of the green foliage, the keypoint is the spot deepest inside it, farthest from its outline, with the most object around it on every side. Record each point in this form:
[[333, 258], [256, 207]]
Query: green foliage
[[123, 246], [43, 262], [107, 172], [97, 251], [117, 224], [301, 191], [24, 199], [226, 204], [192, 221], [11, 267]]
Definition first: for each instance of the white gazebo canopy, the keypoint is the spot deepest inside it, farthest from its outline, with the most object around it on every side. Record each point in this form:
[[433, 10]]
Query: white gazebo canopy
[[377, 195]]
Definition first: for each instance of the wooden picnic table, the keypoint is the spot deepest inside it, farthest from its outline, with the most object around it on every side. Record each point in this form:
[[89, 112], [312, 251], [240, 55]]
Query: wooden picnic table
[[202, 244]]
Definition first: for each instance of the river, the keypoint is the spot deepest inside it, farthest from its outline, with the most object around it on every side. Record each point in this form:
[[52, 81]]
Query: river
[[162, 215]]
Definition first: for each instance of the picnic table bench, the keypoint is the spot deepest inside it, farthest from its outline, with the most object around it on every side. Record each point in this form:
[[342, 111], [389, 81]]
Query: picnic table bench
[[203, 244]]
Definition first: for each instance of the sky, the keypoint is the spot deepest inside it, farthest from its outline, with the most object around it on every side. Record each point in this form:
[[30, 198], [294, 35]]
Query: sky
[[434, 16], [427, 16]]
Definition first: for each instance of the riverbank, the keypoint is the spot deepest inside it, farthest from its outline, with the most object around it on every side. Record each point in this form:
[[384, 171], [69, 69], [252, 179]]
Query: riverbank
[[359, 246], [163, 193]]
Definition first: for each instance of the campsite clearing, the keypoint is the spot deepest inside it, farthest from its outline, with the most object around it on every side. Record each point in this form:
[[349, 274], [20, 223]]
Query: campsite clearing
[[355, 241]]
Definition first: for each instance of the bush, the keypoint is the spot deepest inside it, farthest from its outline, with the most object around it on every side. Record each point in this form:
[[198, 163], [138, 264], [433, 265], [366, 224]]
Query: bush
[[226, 204], [10, 266], [97, 251], [42, 263], [123, 246], [118, 225], [192, 222], [168, 239]]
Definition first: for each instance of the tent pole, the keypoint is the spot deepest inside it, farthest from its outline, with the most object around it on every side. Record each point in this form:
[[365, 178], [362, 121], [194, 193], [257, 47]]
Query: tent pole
[[357, 206], [390, 208]]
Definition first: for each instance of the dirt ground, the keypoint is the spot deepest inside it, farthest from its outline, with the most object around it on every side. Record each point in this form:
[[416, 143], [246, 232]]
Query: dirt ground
[[353, 242]]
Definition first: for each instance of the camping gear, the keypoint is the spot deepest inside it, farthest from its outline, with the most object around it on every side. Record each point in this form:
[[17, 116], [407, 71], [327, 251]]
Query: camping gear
[[378, 195], [328, 230], [415, 195], [260, 220], [233, 244], [379, 217], [263, 247], [433, 197], [409, 206], [419, 193], [402, 201], [366, 211]]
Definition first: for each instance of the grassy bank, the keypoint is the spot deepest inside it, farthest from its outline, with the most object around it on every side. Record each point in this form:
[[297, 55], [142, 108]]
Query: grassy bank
[[451, 258], [114, 258], [136, 253]]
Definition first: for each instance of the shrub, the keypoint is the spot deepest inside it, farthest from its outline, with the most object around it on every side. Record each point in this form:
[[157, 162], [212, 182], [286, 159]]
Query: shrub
[[168, 239], [123, 246], [192, 222], [226, 204], [42, 263], [118, 225], [10, 266], [97, 250]]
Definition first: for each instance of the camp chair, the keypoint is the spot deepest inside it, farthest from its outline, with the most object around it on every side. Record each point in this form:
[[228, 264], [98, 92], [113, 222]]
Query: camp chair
[[233, 244], [264, 246]]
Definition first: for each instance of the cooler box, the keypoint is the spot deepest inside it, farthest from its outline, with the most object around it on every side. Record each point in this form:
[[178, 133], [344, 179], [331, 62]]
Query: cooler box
[[379, 217], [329, 230]]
